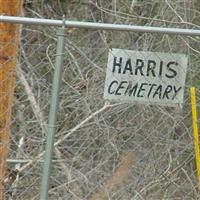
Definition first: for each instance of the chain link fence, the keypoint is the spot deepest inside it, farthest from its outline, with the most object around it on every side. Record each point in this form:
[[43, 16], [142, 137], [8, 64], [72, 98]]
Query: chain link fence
[[103, 150]]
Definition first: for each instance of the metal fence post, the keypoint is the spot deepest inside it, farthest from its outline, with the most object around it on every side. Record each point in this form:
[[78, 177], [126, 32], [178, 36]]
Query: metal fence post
[[53, 114]]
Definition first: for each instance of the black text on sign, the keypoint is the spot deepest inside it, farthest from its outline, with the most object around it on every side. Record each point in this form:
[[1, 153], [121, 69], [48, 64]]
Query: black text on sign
[[148, 77]]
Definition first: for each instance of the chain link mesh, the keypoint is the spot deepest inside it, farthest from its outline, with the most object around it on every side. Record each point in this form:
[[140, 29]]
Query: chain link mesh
[[103, 150]]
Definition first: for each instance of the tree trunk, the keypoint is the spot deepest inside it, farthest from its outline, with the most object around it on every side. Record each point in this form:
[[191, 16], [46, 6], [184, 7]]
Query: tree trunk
[[9, 41]]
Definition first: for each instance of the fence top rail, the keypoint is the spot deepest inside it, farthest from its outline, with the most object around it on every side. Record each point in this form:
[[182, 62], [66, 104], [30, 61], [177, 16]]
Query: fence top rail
[[99, 26]]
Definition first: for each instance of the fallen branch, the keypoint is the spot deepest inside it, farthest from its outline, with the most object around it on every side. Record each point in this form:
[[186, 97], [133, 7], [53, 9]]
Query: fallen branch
[[35, 107], [15, 183], [105, 107]]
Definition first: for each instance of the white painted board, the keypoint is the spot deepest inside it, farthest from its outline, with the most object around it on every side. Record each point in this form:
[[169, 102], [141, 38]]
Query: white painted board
[[146, 77]]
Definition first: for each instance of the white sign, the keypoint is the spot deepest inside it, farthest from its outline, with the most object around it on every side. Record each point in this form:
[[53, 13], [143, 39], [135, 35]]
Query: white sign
[[147, 77]]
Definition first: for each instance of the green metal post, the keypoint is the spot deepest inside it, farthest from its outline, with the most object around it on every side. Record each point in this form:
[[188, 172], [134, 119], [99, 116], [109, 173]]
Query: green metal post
[[53, 114]]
